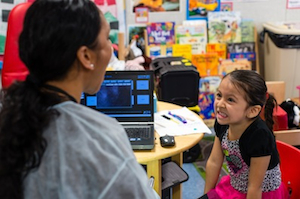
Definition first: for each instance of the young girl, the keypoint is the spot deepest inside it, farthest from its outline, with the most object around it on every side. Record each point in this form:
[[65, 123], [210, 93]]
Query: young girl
[[245, 140]]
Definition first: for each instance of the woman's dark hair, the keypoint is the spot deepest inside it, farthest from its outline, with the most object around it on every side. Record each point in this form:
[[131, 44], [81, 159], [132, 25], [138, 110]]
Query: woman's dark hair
[[53, 31], [255, 89]]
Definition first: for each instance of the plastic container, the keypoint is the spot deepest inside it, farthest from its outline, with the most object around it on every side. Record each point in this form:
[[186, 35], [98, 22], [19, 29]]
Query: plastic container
[[282, 54]]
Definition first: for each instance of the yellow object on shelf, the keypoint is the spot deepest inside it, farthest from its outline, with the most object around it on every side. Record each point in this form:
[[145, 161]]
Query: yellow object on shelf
[[194, 108]]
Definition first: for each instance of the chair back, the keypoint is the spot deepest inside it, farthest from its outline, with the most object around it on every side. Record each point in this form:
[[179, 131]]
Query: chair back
[[13, 67], [290, 167]]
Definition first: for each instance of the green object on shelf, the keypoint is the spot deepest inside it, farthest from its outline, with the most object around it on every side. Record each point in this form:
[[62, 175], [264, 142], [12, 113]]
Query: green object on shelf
[[114, 29], [113, 36], [2, 44], [109, 17]]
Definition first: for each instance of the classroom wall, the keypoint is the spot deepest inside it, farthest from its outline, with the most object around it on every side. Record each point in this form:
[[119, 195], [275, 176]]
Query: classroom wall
[[260, 11], [266, 11]]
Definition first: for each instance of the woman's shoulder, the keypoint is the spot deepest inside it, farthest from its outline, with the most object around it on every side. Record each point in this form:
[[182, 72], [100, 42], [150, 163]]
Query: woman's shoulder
[[78, 112], [77, 122]]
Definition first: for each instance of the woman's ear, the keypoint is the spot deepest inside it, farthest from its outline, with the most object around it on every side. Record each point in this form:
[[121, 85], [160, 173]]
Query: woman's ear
[[253, 111], [84, 56]]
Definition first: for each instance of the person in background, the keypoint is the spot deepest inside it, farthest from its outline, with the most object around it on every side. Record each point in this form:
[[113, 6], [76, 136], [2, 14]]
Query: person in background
[[245, 140], [50, 145]]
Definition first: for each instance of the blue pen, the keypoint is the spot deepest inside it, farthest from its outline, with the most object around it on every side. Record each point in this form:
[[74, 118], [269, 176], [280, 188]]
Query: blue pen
[[181, 119]]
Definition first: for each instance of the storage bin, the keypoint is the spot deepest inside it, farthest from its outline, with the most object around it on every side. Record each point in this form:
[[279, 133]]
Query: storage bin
[[282, 54]]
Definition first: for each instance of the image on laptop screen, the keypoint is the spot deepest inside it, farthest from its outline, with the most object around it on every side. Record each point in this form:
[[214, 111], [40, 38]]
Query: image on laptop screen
[[124, 95]]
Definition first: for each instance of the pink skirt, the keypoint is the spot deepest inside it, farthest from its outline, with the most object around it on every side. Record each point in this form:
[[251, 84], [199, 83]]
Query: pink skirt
[[224, 190]]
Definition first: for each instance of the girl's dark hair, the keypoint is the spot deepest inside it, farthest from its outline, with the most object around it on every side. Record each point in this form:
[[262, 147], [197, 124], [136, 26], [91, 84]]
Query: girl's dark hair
[[255, 89], [53, 31]]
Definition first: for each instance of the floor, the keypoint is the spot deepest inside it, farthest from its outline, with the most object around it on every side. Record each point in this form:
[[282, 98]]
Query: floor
[[194, 187]]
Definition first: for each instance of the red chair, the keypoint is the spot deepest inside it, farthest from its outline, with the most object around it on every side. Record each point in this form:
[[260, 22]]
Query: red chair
[[13, 67], [289, 166]]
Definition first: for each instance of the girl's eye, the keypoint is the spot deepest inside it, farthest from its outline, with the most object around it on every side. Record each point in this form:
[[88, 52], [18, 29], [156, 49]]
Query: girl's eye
[[218, 95], [231, 100]]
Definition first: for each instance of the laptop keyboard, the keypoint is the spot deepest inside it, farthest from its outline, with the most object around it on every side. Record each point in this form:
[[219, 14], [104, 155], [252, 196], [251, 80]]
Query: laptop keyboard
[[138, 133]]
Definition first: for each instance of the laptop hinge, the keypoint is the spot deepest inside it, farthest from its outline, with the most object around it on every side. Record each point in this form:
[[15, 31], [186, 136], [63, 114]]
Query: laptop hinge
[[136, 123]]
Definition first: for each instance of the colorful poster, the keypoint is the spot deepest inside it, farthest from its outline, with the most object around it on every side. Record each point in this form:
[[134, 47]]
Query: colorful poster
[[157, 5], [226, 6], [136, 31], [198, 9], [141, 15], [161, 33]]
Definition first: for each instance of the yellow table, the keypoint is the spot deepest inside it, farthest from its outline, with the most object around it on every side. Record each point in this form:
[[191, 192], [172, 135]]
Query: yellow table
[[152, 158]]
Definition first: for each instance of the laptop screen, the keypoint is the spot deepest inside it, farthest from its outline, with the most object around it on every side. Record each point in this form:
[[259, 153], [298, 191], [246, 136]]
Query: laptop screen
[[124, 95]]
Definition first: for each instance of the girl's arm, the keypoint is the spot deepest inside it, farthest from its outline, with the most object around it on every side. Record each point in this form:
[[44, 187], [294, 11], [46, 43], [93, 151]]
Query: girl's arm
[[258, 168], [213, 165]]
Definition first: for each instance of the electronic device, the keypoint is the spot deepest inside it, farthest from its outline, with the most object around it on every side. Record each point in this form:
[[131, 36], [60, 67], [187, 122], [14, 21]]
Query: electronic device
[[176, 80], [128, 97], [167, 140]]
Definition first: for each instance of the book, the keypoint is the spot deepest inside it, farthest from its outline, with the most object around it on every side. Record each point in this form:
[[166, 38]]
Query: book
[[182, 50], [206, 104], [247, 30], [219, 48], [242, 50], [207, 87], [243, 47], [192, 34], [154, 51], [209, 83], [161, 33], [248, 55], [206, 63], [229, 65], [224, 27], [160, 38]]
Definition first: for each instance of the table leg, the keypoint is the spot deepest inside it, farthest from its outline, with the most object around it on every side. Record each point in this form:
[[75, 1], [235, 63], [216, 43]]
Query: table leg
[[177, 191], [154, 169]]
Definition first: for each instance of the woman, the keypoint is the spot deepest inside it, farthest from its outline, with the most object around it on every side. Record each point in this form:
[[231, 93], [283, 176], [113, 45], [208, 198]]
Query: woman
[[51, 146]]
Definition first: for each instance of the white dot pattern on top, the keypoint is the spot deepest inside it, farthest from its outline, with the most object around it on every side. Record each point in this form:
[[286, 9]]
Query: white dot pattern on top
[[239, 170]]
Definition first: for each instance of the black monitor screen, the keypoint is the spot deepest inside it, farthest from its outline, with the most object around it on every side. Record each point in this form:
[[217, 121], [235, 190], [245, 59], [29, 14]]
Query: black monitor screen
[[124, 95]]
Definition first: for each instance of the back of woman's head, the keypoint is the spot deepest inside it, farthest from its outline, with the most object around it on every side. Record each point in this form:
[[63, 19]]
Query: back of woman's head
[[255, 91], [52, 33]]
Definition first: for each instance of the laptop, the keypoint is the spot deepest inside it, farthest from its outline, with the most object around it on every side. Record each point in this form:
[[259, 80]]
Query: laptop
[[128, 97]]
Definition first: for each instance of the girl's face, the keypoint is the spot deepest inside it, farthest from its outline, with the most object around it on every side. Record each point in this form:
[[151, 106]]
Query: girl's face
[[230, 105]]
